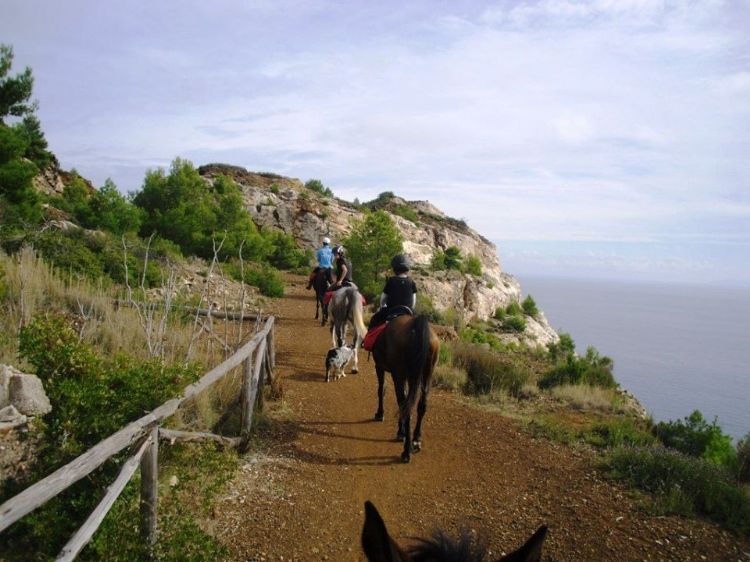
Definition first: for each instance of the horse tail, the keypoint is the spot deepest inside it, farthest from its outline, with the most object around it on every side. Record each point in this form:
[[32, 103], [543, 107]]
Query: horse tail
[[418, 359], [358, 314]]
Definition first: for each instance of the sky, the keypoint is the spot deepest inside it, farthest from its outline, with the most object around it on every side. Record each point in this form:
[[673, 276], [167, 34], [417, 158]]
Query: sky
[[597, 138]]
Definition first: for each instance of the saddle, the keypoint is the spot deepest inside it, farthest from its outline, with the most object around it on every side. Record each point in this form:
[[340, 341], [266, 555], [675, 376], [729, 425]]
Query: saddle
[[373, 333]]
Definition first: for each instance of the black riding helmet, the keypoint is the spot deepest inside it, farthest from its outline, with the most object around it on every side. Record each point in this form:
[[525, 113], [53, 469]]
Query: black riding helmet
[[400, 264]]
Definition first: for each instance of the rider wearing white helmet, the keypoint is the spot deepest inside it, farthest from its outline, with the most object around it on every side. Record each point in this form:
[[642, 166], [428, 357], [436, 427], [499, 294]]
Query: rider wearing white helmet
[[325, 262], [343, 268]]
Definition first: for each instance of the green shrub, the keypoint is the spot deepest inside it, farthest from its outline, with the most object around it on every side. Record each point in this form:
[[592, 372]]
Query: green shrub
[[426, 307], [743, 459], [373, 241], [515, 322], [514, 309], [682, 484], [473, 266], [69, 252], [274, 188], [449, 259], [318, 187], [562, 349], [529, 306], [266, 278], [91, 398], [182, 207], [489, 371], [619, 433], [478, 336], [406, 212], [285, 254], [696, 437], [499, 313], [592, 369]]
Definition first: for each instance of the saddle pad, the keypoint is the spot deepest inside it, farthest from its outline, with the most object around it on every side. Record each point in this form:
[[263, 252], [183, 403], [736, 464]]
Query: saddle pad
[[372, 336]]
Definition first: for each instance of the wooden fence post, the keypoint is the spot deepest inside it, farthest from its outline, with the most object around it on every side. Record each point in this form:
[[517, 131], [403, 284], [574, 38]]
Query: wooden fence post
[[245, 407], [271, 349], [150, 487]]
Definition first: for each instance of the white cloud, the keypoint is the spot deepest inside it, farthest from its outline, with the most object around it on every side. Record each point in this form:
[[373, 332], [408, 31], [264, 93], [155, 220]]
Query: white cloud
[[594, 120]]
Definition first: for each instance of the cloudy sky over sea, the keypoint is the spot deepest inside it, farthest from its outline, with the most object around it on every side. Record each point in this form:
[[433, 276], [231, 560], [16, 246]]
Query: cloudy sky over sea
[[606, 138]]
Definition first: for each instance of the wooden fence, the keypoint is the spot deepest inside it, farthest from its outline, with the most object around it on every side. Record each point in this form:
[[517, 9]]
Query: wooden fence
[[146, 432]]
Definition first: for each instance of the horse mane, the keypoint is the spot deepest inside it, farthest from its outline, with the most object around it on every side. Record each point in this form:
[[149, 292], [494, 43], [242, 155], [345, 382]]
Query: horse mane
[[441, 547]]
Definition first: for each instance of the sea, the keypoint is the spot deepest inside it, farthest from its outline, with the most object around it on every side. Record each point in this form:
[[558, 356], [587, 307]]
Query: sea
[[677, 348]]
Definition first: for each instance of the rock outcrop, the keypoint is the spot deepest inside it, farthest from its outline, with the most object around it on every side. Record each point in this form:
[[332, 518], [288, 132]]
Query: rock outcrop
[[24, 392], [285, 204]]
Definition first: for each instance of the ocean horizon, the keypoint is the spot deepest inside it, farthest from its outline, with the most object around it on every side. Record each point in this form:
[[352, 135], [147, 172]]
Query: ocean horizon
[[676, 347]]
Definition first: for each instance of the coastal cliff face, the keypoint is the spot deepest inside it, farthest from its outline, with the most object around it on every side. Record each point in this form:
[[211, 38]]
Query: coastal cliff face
[[285, 204]]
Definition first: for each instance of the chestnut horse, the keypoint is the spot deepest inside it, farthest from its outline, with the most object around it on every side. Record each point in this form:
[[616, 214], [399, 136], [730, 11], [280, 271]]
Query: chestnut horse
[[380, 547], [408, 349]]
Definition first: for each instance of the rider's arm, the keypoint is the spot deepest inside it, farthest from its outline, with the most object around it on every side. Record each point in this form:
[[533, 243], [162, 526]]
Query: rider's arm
[[413, 300], [383, 300]]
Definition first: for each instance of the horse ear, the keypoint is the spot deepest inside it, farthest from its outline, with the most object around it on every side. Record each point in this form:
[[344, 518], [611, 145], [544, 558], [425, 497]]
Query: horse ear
[[531, 551], [376, 542]]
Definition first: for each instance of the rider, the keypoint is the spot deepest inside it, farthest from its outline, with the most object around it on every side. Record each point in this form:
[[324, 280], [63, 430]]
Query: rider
[[399, 291], [343, 269], [325, 260]]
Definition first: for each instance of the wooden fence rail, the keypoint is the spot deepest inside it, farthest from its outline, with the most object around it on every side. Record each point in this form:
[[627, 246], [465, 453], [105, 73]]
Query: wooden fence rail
[[147, 431]]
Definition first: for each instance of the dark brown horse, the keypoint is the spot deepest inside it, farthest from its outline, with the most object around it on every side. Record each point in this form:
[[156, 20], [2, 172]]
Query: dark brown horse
[[408, 349], [380, 547], [320, 285]]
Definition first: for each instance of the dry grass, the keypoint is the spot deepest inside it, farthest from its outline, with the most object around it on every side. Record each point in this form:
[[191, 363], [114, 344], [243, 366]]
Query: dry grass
[[29, 288], [449, 377], [584, 397]]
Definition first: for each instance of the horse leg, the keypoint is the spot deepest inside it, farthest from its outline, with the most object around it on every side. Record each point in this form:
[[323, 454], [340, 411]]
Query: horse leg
[[355, 369], [380, 414], [399, 385], [324, 307], [421, 410], [317, 304]]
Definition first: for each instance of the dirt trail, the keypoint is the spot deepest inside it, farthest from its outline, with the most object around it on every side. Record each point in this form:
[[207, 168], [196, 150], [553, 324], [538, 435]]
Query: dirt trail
[[301, 497]]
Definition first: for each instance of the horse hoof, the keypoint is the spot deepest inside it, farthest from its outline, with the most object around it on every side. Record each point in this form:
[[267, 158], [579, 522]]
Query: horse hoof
[[379, 416], [355, 371], [399, 437], [416, 446], [405, 457]]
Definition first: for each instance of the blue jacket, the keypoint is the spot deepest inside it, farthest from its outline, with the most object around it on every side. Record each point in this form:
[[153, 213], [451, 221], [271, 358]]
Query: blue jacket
[[325, 257]]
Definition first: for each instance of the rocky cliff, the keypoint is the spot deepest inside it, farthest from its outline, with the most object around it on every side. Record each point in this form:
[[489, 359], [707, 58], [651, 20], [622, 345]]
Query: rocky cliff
[[285, 204]]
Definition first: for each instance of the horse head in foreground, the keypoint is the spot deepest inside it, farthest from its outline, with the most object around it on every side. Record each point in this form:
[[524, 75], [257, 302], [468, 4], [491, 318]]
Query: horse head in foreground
[[380, 547], [408, 349], [346, 307]]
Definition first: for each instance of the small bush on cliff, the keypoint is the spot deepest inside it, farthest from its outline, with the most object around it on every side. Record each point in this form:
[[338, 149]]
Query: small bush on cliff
[[473, 266], [683, 485], [515, 323], [449, 259], [696, 437], [529, 306], [592, 369], [318, 187], [406, 212]]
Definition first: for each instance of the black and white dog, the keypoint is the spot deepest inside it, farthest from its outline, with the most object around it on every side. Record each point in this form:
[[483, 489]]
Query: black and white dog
[[336, 361]]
